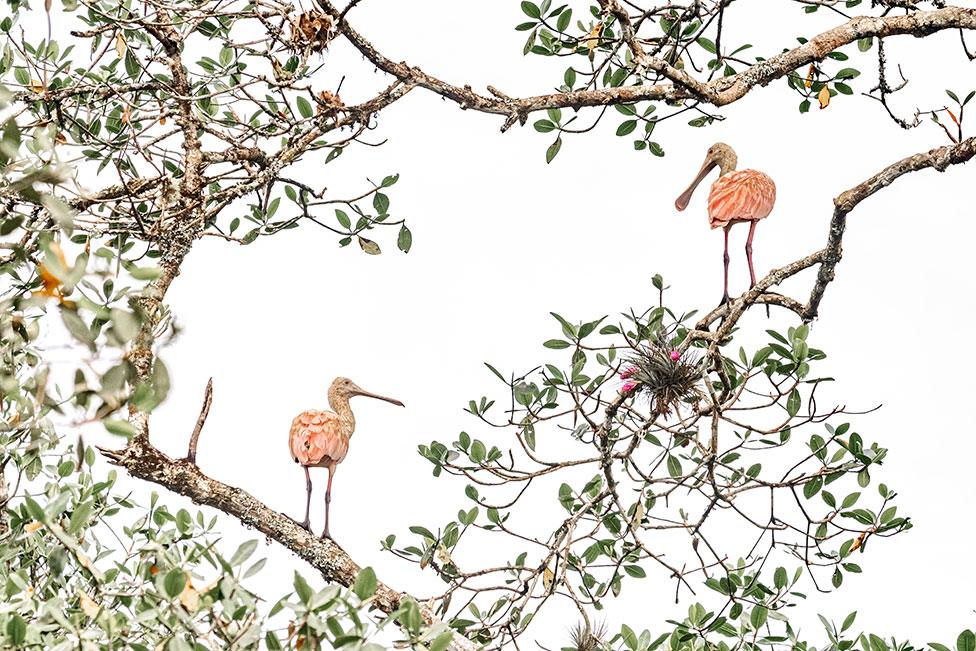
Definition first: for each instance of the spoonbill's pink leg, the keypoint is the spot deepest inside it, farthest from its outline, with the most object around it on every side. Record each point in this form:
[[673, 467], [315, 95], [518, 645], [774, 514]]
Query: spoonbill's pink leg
[[725, 261], [328, 501], [308, 498], [752, 271]]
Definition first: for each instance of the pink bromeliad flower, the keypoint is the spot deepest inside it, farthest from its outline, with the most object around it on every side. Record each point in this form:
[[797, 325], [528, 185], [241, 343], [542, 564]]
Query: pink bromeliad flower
[[675, 356], [627, 387], [628, 372]]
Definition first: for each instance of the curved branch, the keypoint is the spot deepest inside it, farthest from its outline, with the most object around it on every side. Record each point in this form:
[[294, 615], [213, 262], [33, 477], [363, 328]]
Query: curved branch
[[719, 92], [142, 460], [939, 159]]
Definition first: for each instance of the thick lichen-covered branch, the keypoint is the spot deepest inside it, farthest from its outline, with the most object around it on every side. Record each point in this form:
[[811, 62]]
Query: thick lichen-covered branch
[[718, 92]]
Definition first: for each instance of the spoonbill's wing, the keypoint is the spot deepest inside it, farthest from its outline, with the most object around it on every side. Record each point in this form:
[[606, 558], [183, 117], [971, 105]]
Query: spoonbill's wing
[[317, 439], [745, 195]]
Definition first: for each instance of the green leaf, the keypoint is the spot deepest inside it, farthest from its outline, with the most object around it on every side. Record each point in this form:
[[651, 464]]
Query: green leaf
[[758, 616], [16, 630], [966, 641], [302, 588], [530, 9], [629, 637], [544, 126], [478, 451], [812, 487], [553, 149], [80, 517], [626, 127], [564, 19], [404, 239], [635, 571], [174, 582], [556, 344], [381, 203], [674, 466], [304, 107], [272, 642], [793, 403], [243, 553], [77, 327], [365, 583], [780, 578], [442, 641], [119, 427]]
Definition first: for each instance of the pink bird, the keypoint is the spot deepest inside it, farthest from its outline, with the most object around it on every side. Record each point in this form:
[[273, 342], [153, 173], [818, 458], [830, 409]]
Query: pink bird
[[320, 439], [735, 197]]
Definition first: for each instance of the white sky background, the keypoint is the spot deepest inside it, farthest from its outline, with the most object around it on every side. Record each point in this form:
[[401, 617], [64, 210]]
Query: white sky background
[[500, 239]]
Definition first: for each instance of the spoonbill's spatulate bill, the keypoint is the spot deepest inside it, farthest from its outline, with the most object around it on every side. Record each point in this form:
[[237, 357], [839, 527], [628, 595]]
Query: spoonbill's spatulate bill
[[320, 439], [737, 196]]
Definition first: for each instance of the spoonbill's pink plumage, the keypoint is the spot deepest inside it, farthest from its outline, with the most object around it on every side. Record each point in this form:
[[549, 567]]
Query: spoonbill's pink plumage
[[735, 197], [320, 439]]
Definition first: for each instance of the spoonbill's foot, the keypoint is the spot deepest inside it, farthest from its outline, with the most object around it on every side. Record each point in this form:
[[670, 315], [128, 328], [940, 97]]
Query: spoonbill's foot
[[724, 301], [304, 524], [326, 534]]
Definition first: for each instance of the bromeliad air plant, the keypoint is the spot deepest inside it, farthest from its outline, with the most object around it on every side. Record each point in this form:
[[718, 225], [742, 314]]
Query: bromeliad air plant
[[663, 374]]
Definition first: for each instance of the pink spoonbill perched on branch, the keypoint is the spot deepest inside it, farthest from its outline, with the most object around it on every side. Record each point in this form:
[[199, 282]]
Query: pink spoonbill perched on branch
[[737, 196], [320, 439]]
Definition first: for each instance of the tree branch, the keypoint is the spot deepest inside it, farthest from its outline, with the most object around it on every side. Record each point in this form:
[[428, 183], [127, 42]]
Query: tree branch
[[939, 159], [181, 476], [719, 92]]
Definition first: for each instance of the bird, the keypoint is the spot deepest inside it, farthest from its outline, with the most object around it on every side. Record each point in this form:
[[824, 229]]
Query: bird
[[737, 196], [320, 439]]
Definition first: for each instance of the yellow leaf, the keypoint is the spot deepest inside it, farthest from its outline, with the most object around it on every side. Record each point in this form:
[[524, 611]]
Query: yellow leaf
[[443, 555], [594, 39], [120, 46], [37, 86], [547, 579], [52, 284], [809, 81], [88, 605], [31, 527], [824, 97], [190, 598]]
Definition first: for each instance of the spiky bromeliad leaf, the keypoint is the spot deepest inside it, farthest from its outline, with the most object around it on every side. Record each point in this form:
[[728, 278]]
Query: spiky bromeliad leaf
[[665, 376]]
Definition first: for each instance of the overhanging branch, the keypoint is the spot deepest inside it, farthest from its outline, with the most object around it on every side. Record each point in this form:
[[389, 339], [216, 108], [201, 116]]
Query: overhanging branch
[[719, 92]]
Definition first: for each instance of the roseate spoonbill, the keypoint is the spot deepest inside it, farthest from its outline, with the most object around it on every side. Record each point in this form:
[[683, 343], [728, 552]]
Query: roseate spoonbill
[[736, 196], [320, 439]]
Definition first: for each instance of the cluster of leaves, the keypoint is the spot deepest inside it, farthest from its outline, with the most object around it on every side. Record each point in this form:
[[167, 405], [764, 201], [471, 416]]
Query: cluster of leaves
[[658, 473], [82, 565], [86, 567], [253, 102], [690, 39]]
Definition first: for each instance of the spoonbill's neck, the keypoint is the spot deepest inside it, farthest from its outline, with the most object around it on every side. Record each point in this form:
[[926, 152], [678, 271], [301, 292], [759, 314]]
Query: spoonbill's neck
[[726, 166], [340, 405]]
